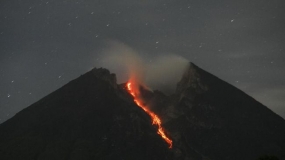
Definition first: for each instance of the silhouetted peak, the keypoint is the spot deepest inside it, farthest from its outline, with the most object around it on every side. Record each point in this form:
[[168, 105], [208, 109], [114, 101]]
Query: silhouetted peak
[[94, 118], [191, 80], [103, 74]]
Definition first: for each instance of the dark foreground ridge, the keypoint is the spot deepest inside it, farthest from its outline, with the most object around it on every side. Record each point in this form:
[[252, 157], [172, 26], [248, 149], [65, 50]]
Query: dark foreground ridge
[[92, 117]]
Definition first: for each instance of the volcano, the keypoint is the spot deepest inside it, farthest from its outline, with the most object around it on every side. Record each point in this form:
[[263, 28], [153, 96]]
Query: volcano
[[93, 117]]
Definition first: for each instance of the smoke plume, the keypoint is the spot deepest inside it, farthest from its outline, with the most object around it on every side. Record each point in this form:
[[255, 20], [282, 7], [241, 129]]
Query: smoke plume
[[157, 72]]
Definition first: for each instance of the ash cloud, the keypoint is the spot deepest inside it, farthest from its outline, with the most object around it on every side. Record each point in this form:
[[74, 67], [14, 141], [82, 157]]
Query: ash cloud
[[157, 72]]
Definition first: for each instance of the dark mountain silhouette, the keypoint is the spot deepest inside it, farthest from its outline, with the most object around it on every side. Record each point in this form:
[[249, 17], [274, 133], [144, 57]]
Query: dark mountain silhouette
[[89, 118], [94, 118], [222, 122]]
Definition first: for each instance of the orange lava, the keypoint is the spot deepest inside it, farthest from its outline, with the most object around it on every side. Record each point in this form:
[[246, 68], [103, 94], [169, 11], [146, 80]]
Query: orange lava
[[155, 119]]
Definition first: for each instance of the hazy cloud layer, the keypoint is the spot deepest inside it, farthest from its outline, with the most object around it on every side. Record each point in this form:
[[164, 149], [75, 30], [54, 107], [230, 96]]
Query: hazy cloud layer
[[161, 72]]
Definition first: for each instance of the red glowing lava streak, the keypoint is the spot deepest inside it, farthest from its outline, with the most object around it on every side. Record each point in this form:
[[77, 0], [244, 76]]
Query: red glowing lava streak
[[155, 119]]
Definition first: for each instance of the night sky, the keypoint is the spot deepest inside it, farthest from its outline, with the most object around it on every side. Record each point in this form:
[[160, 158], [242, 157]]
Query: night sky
[[44, 44]]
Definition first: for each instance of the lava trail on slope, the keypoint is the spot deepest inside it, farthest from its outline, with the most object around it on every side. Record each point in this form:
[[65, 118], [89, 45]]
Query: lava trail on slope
[[155, 119]]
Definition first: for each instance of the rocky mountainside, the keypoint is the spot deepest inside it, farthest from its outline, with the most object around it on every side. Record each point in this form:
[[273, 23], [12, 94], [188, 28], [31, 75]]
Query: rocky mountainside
[[92, 117], [219, 121], [89, 118]]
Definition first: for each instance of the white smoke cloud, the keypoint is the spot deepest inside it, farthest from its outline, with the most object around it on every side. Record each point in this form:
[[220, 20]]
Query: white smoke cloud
[[161, 73], [165, 71]]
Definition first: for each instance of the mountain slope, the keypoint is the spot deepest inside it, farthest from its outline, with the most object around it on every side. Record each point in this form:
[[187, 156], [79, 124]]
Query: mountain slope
[[92, 117], [89, 118], [221, 122]]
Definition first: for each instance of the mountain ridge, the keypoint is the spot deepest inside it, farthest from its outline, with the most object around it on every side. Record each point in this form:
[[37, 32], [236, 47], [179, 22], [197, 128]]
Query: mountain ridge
[[78, 121], [92, 117], [221, 113]]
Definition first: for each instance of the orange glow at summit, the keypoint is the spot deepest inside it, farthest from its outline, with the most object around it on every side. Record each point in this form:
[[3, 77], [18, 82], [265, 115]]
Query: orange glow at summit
[[155, 119]]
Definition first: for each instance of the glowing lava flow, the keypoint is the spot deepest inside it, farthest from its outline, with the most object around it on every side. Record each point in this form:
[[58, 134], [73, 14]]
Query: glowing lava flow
[[154, 117]]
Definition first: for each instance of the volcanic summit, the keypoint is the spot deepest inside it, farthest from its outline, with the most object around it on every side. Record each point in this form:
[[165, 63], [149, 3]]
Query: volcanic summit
[[93, 117]]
